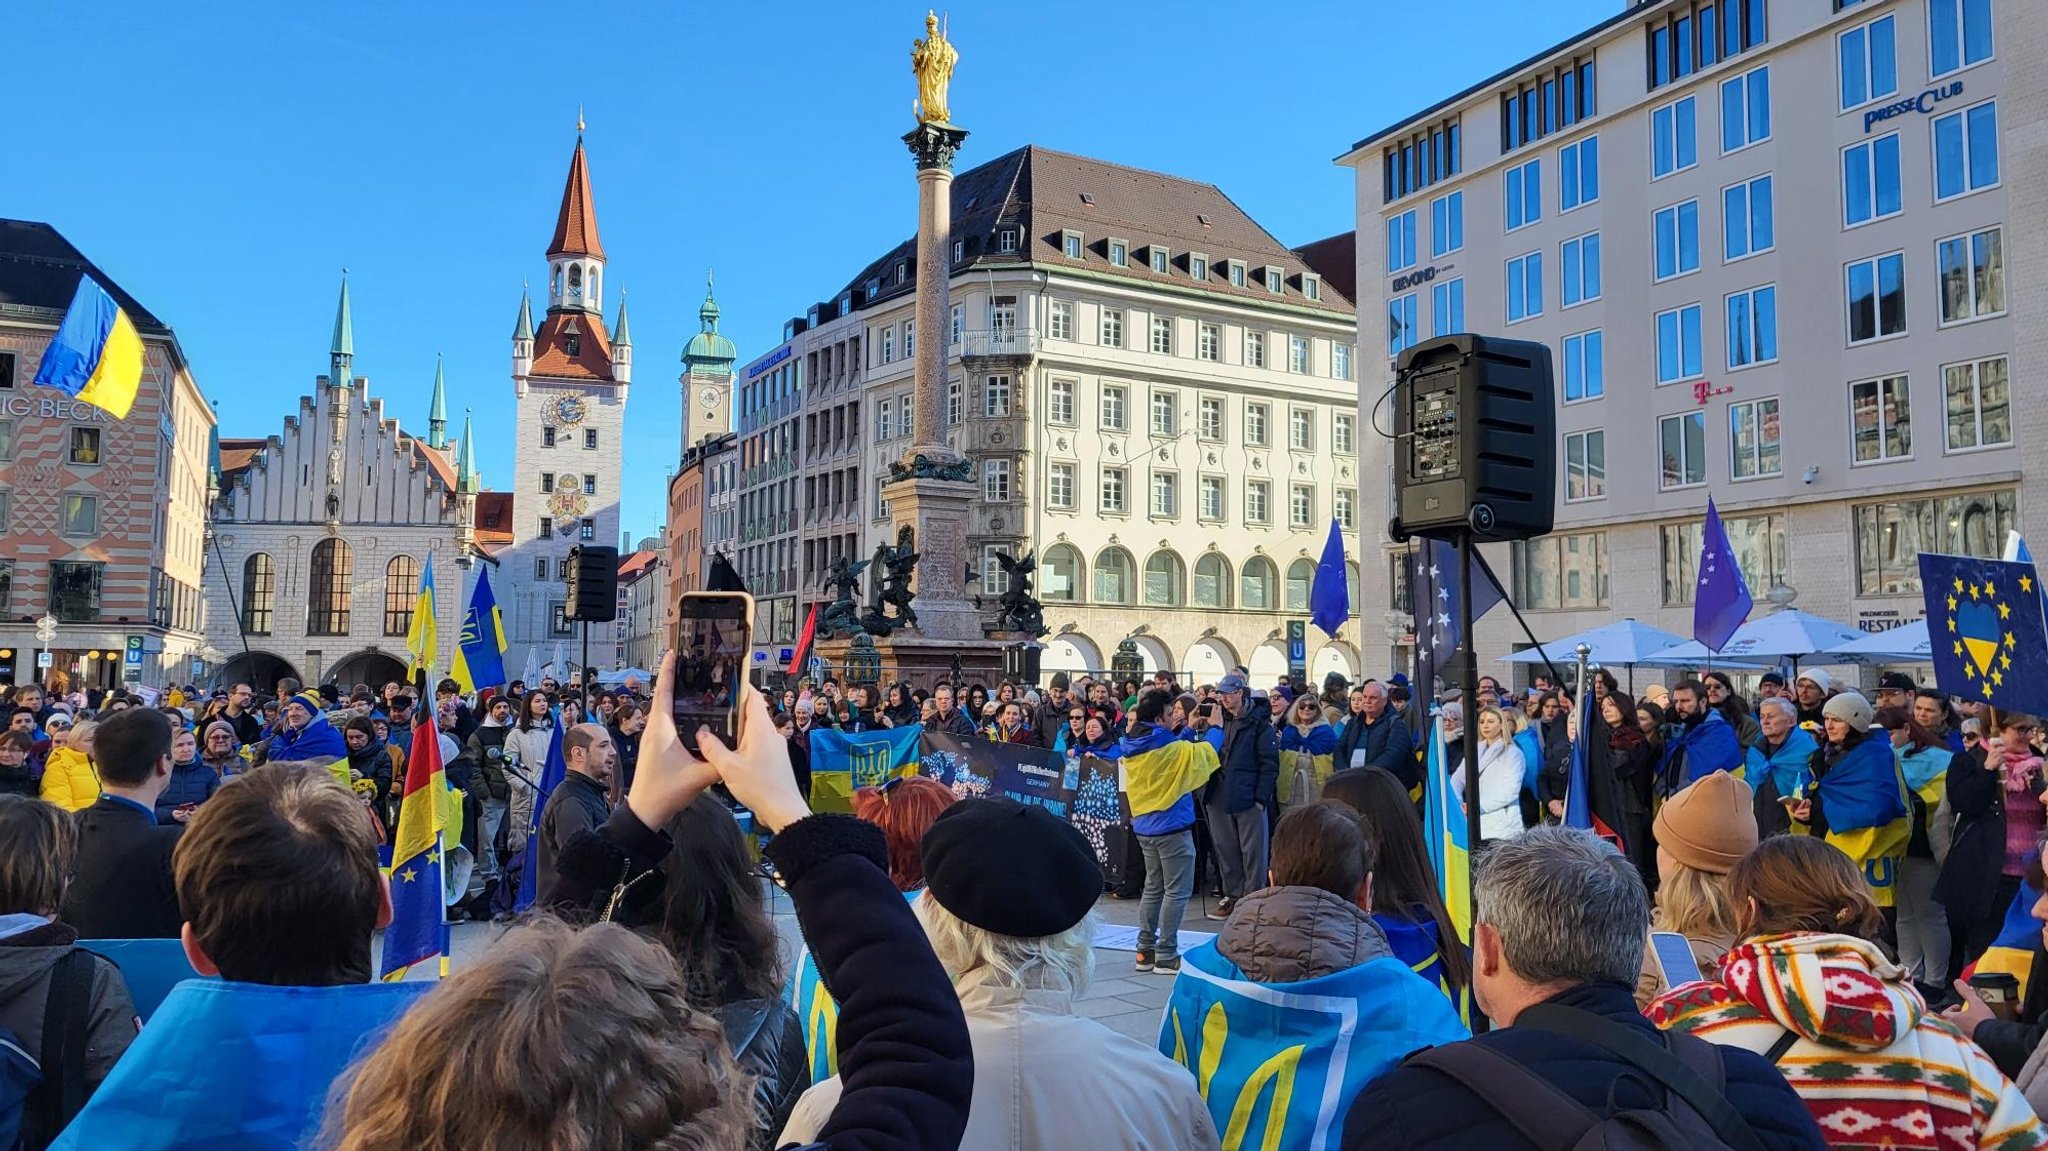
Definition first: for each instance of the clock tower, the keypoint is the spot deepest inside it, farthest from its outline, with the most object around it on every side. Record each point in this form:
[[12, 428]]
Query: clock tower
[[570, 377], [707, 377]]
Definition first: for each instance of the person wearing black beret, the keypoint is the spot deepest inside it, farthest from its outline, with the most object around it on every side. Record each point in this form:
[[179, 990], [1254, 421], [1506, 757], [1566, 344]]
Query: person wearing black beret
[[1008, 904]]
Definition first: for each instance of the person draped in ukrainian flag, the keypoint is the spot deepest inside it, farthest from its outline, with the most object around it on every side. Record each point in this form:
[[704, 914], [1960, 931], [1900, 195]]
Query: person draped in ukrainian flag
[[1308, 752], [309, 738], [1161, 773], [1858, 798]]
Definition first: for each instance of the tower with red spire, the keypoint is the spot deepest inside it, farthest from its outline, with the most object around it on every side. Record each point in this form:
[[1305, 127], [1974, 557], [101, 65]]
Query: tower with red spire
[[570, 376]]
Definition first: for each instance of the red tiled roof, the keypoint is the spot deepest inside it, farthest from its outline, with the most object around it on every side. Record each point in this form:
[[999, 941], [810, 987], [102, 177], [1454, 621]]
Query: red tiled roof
[[593, 358], [632, 567], [437, 461], [493, 518], [576, 227], [237, 455], [1335, 259]]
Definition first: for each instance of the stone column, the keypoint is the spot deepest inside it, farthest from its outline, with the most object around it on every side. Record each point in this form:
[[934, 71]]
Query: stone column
[[933, 146]]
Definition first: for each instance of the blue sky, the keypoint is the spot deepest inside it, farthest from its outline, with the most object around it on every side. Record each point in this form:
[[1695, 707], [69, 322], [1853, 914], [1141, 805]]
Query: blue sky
[[224, 161]]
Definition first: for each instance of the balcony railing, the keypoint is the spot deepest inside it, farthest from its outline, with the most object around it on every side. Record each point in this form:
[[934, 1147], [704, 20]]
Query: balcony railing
[[1000, 342]]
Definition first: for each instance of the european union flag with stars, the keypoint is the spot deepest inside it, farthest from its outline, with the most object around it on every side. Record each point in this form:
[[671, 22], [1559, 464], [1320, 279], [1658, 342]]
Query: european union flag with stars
[[1989, 641]]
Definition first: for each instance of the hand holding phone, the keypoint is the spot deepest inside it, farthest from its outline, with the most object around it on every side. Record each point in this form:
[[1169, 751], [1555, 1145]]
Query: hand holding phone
[[669, 774], [713, 637]]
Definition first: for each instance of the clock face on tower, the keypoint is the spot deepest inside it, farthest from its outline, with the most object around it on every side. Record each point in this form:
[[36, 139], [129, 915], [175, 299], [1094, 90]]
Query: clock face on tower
[[709, 397], [568, 410]]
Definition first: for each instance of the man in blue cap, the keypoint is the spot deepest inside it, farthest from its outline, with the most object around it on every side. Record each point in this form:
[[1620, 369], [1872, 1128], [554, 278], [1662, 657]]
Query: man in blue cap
[[1239, 795]]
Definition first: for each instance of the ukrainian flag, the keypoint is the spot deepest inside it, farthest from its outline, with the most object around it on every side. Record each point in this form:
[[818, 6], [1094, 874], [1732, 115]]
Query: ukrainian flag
[[96, 355], [1160, 768], [425, 633], [2012, 953], [416, 891], [1445, 831], [480, 652], [1863, 798]]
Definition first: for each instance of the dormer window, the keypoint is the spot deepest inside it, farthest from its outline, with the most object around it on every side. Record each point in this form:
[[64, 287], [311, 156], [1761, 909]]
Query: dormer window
[[959, 250], [1198, 266], [1119, 254], [902, 271], [1311, 286], [1275, 280], [1160, 256], [1070, 244], [1237, 273], [573, 345], [1006, 240]]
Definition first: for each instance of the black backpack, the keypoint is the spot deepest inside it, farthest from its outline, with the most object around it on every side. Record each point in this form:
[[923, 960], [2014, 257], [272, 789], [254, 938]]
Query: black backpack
[[1696, 1115], [40, 1092]]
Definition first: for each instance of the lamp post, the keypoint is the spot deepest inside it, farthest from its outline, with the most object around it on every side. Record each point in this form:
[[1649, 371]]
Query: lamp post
[[863, 663], [1127, 663]]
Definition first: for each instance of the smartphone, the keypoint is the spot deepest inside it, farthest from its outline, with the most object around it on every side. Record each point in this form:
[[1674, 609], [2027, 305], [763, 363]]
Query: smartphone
[[714, 635], [1672, 953]]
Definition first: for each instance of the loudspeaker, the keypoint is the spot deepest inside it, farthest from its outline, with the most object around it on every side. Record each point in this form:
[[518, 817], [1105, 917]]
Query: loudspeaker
[[593, 584], [1475, 439]]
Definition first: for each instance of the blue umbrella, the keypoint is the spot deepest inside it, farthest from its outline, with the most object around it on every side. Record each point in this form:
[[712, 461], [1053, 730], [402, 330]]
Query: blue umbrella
[[1623, 644], [1906, 643], [1788, 634]]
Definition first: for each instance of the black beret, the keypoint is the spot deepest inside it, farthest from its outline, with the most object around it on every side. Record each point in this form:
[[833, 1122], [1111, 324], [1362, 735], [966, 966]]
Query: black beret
[[1010, 868]]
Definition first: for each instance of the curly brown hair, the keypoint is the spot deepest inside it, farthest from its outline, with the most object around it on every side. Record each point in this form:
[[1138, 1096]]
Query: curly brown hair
[[558, 1038], [1797, 883]]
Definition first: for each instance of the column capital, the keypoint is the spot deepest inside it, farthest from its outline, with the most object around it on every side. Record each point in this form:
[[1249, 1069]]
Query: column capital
[[935, 145]]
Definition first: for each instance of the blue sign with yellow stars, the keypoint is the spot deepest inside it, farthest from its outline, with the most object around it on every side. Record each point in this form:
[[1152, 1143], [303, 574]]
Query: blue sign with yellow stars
[[1988, 639]]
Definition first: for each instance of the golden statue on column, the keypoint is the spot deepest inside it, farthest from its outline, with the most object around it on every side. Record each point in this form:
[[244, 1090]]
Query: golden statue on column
[[932, 60]]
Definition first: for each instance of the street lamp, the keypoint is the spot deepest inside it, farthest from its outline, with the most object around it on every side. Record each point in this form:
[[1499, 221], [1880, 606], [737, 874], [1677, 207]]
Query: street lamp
[[863, 662], [1127, 663]]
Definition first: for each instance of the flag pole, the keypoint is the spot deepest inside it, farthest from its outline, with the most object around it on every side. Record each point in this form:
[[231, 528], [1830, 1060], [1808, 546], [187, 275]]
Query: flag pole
[[1468, 679]]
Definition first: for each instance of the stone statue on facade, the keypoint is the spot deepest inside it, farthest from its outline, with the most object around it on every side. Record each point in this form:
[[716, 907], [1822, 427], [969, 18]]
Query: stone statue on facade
[[932, 60]]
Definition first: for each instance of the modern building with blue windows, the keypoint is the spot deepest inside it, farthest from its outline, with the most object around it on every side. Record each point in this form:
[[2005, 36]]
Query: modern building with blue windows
[[1776, 250]]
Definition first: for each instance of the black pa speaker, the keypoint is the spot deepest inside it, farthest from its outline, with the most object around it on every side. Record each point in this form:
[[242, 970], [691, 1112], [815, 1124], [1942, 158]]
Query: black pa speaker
[[593, 584], [1475, 439]]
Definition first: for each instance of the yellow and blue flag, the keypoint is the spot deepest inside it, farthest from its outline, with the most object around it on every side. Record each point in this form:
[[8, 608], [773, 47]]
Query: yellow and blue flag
[[480, 652], [1450, 847], [1984, 621], [2012, 953], [96, 355], [1160, 769], [417, 905], [843, 763], [425, 633], [1864, 798]]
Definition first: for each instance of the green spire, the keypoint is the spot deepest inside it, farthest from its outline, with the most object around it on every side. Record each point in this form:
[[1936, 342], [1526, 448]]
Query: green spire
[[466, 481], [437, 412], [622, 333], [343, 352], [709, 352], [525, 329], [709, 312]]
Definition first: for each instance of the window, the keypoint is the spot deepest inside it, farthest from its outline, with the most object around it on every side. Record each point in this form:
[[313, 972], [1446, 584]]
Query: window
[[1678, 344], [1070, 246], [1301, 576], [995, 481], [1972, 276], [1340, 360], [6, 440], [1585, 369], [1560, 572], [1258, 499], [80, 516], [558, 620], [1881, 420], [1674, 139], [1700, 34], [259, 593], [1525, 287], [1753, 327], [547, 437], [1682, 440], [1113, 491], [1208, 342], [1747, 219], [1211, 506], [1525, 194], [1198, 267], [1979, 404], [85, 445], [75, 590], [1301, 506], [1877, 298], [1301, 425], [885, 419], [586, 530], [1447, 307], [1420, 159], [330, 588], [1678, 239], [1166, 495], [1115, 406], [1113, 576], [401, 593], [1255, 424], [1061, 324], [1274, 283], [1966, 151], [1119, 254], [561, 570], [1341, 439], [959, 323], [1311, 286], [1870, 181], [889, 345], [1236, 274], [1753, 439], [547, 527], [1112, 328], [540, 568], [1869, 62], [1401, 254], [1759, 544], [1547, 102], [1060, 574], [1891, 536], [1585, 466], [1006, 240], [1165, 421], [995, 396], [1958, 34], [1212, 581], [1162, 335], [994, 580], [1745, 110], [1578, 174], [589, 484], [547, 483], [1059, 486], [909, 339], [590, 439], [1254, 349], [1446, 224], [1581, 271], [1060, 402], [1160, 258], [1401, 329], [1255, 587], [954, 403], [1344, 508]]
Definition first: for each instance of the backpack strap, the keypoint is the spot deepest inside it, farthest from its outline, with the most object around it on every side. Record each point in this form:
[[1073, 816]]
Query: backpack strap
[[1546, 1116], [67, 1015], [1784, 1044], [1678, 1073]]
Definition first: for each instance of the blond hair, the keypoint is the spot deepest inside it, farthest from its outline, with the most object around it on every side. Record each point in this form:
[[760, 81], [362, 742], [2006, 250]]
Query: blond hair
[[1694, 903], [1063, 962]]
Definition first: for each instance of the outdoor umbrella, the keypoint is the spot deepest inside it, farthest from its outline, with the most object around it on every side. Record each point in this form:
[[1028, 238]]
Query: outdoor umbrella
[[1906, 643], [612, 678], [1622, 644], [1788, 634]]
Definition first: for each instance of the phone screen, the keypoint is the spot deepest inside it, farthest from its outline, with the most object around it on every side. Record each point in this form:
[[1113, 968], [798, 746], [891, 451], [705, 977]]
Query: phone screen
[[1674, 958], [713, 636]]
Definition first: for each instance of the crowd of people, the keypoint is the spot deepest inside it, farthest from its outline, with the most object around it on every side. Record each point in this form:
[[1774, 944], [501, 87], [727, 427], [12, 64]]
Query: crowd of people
[[1829, 866]]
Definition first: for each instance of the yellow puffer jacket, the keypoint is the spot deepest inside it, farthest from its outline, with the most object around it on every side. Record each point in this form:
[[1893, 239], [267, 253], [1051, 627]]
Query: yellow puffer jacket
[[69, 780]]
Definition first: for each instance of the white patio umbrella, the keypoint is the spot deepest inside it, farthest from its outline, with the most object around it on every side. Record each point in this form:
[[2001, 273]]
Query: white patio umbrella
[[1907, 643], [1788, 634], [1622, 644]]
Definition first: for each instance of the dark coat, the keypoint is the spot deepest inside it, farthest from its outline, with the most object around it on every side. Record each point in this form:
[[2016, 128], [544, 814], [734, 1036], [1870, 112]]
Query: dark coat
[[1415, 1107], [767, 1040], [1976, 856], [1387, 745], [1251, 762], [578, 804], [121, 887], [193, 782], [955, 722]]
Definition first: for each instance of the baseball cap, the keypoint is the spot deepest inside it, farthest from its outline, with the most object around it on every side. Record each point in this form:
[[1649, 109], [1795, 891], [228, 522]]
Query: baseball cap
[[1896, 681], [1231, 683]]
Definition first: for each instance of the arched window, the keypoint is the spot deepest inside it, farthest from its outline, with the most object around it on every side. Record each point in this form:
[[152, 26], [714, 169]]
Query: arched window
[[1212, 581], [1352, 589], [1255, 589], [575, 281], [328, 591], [1165, 580], [401, 592], [1059, 575], [259, 593], [593, 285], [1301, 576], [556, 291], [1113, 576]]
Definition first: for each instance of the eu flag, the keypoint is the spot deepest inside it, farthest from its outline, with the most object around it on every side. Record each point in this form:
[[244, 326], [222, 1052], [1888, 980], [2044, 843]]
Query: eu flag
[[416, 889], [1329, 600], [551, 775], [1434, 593], [1984, 621], [1721, 599], [480, 652]]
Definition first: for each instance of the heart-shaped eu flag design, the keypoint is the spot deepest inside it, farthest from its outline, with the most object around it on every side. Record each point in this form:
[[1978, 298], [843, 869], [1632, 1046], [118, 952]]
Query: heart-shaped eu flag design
[[1977, 626]]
